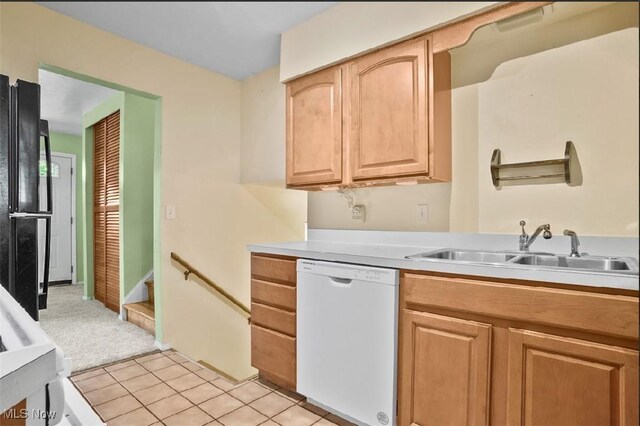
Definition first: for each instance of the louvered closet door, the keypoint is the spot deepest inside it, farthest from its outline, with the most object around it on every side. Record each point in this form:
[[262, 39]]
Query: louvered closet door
[[99, 260], [107, 211]]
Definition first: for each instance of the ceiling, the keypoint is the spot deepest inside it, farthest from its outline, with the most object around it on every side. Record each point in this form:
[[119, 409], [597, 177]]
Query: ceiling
[[64, 100], [237, 39]]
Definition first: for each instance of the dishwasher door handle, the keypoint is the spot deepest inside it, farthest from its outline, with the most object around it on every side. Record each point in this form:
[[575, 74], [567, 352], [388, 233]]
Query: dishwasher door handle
[[340, 282]]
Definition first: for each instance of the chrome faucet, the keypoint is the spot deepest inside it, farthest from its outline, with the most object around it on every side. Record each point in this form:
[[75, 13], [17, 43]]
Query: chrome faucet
[[575, 242], [526, 240]]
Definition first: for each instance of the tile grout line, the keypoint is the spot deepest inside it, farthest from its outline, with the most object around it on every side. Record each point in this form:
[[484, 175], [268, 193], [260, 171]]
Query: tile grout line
[[164, 382], [243, 403], [255, 380], [128, 393], [180, 393], [246, 404], [124, 387], [104, 366], [271, 391], [135, 397]]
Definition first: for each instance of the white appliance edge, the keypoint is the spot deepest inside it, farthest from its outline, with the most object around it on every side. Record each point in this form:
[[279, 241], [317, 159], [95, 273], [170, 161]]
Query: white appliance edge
[[347, 318]]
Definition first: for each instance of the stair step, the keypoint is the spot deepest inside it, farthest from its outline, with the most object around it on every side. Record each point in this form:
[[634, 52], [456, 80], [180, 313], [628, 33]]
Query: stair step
[[142, 314], [149, 284]]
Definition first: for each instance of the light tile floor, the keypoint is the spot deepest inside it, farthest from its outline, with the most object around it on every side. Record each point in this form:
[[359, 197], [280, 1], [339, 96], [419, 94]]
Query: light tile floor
[[167, 388]]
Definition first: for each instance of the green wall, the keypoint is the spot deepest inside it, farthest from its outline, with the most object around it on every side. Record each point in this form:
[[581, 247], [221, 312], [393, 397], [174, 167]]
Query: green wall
[[106, 108], [137, 128], [72, 144], [157, 218], [136, 190]]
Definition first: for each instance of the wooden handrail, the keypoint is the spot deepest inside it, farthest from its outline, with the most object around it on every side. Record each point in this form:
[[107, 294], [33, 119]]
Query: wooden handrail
[[191, 270]]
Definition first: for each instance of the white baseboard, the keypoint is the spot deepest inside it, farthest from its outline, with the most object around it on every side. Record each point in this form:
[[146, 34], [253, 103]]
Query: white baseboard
[[139, 293], [162, 346], [87, 297]]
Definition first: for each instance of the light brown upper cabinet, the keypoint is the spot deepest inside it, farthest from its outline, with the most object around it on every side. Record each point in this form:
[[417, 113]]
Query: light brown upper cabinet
[[388, 104], [378, 119], [314, 128], [384, 117]]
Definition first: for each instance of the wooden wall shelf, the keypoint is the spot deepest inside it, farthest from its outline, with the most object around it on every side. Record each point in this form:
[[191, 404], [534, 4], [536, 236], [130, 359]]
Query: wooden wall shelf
[[543, 171]]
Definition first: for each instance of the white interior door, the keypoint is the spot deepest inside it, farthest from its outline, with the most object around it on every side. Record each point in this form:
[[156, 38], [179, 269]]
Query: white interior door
[[61, 224]]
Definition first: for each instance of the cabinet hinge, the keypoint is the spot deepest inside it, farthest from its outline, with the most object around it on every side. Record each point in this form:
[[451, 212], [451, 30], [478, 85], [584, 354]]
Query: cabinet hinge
[[72, 269], [72, 171], [72, 220]]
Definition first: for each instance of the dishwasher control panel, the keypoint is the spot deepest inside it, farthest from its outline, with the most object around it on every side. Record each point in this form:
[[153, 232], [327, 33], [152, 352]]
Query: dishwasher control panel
[[349, 271], [367, 275]]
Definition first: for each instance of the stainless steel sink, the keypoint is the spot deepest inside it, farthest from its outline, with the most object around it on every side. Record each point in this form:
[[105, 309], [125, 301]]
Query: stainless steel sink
[[466, 256], [618, 265], [589, 263]]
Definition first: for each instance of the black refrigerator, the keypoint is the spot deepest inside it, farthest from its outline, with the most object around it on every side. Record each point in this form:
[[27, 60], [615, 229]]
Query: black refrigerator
[[21, 209]]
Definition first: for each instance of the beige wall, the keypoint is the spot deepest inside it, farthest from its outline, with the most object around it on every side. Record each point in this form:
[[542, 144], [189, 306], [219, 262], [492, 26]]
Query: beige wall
[[577, 80], [262, 158], [387, 208], [527, 94], [350, 28], [201, 135], [263, 129]]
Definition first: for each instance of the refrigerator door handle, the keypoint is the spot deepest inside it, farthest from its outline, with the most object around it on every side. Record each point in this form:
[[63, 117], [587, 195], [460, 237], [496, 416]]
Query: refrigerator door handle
[[42, 298], [44, 132]]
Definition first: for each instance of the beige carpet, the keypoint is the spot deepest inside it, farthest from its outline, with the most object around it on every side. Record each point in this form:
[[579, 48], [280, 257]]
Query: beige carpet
[[89, 333]]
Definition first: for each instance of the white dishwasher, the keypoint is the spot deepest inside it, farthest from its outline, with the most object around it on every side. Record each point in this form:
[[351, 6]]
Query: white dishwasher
[[347, 322]]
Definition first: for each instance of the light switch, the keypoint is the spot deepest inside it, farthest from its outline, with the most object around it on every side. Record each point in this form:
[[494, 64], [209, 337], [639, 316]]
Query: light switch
[[170, 213]]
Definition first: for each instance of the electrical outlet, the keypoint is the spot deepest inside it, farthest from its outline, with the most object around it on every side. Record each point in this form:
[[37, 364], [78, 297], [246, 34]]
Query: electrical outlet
[[170, 213], [422, 214], [358, 212]]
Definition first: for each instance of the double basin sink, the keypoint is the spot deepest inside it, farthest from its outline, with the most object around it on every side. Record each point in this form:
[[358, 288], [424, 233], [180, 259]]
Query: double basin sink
[[618, 265]]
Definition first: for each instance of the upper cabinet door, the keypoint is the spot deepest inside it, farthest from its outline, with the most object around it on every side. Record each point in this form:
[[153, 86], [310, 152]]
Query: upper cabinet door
[[314, 128], [389, 116]]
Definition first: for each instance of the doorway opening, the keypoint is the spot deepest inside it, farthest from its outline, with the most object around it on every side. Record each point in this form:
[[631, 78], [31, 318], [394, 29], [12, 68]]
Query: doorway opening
[[104, 239], [62, 263]]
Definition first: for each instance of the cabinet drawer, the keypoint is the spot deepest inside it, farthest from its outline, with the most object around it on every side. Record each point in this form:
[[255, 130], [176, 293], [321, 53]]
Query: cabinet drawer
[[592, 312], [272, 294], [274, 269], [274, 318], [274, 354]]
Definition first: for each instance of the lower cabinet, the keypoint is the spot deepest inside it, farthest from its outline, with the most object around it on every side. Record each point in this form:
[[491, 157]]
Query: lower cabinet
[[559, 381], [532, 357], [274, 354], [445, 379], [273, 318]]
